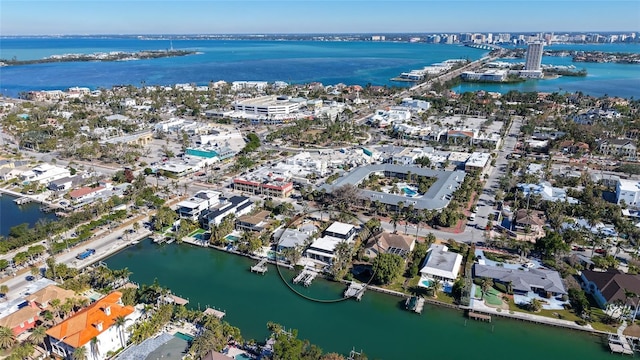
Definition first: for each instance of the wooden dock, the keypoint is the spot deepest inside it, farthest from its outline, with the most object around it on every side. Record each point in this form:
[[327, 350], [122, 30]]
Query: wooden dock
[[260, 267], [619, 344], [355, 290], [217, 313], [305, 277], [481, 317], [415, 304]]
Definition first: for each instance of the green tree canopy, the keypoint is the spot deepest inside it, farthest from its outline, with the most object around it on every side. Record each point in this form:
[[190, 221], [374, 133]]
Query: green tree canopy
[[387, 267]]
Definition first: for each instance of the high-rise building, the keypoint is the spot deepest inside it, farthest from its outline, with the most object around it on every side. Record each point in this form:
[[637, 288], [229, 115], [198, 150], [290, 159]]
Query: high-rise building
[[534, 56]]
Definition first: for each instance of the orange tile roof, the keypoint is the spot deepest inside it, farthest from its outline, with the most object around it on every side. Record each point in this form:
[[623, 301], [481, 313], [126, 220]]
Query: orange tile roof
[[79, 329]]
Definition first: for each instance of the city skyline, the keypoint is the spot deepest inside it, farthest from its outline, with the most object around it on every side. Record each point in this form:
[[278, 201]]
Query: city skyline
[[261, 17]]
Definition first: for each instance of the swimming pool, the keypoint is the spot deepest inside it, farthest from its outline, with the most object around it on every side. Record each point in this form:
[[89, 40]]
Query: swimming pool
[[426, 283], [232, 238], [183, 336], [409, 192], [242, 357]]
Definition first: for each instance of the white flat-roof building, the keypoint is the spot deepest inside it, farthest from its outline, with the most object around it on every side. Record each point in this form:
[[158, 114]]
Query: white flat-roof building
[[197, 204], [45, 173], [628, 191], [478, 161], [267, 105]]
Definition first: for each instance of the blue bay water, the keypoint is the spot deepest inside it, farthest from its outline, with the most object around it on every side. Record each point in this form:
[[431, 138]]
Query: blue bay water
[[602, 79], [12, 215], [290, 61]]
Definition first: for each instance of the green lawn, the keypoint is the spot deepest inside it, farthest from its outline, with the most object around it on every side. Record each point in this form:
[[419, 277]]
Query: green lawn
[[492, 297]]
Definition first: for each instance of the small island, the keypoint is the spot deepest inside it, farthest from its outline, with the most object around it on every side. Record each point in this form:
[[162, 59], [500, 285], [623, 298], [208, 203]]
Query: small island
[[110, 56]]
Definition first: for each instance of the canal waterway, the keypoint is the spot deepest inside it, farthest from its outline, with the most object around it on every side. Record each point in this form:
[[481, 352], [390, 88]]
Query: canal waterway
[[377, 324], [12, 214]]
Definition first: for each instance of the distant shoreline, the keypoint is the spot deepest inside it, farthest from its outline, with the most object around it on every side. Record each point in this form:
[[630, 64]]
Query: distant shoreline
[[112, 56]]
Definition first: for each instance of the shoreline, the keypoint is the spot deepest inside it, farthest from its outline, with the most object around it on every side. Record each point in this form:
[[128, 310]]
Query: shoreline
[[531, 318]]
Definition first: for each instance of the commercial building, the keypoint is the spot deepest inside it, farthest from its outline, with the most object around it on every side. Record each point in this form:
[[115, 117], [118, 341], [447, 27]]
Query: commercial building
[[477, 162], [533, 61], [268, 184], [267, 105]]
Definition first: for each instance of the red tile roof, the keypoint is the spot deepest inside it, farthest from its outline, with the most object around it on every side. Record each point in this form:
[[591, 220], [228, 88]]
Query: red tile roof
[[84, 191]]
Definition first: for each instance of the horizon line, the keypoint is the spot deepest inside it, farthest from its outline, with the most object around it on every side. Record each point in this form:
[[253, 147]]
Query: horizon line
[[321, 33]]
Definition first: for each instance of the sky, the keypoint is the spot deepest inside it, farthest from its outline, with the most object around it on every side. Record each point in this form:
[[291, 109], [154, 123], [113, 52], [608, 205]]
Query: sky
[[77, 17]]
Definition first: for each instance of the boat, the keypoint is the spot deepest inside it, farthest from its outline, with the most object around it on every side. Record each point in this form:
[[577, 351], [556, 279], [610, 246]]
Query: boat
[[415, 304]]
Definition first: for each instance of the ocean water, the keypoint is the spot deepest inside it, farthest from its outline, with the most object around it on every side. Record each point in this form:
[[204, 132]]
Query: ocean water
[[291, 61]]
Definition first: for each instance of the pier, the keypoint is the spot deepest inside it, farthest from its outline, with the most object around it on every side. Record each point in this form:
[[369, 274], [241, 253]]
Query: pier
[[217, 313], [355, 290], [23, 200], [260, 267], [305, 277], [481, 317], [415, 304]]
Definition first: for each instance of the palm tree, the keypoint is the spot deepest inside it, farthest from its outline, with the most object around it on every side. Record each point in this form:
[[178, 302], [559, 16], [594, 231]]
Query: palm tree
[[436, 285], [395, 217], [95, 351], [37, 336], [7, 337], [487, 284], [535, 305], [119, 322], [79, 353]]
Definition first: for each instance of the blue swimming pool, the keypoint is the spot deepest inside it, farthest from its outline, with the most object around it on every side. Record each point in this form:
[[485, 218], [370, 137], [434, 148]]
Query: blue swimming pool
[[232, 238], [409, 192], [242, 357], [183, 336], [426, 283]]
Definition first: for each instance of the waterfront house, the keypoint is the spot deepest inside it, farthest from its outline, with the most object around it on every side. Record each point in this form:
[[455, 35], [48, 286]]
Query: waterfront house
[[85, 193], [95, 321], [614, 291], [290, 239], [64, 183], [390, 244], [256, 222], [543, 282], [323, 249], [193, 207], [45, 173], [235, 206], [440, 264]]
